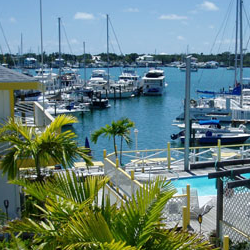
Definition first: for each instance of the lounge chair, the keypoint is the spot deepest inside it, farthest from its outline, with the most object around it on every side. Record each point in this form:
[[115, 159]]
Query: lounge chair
[[195, 209]]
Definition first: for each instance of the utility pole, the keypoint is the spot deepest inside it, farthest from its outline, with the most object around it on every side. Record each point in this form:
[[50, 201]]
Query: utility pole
[[187, 114]]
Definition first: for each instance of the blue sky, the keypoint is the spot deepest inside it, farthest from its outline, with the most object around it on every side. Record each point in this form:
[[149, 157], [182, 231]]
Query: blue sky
[[141, 26]]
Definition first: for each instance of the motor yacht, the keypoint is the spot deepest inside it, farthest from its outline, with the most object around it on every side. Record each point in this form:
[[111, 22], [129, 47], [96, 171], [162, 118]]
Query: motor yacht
[[153, 82]]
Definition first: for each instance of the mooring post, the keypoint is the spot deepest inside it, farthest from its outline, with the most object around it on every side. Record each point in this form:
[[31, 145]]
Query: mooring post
[[226, 242], [188, 203], [219, 151], [184, 218]]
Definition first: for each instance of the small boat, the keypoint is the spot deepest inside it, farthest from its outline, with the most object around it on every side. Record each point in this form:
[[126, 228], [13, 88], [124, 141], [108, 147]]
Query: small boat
[[153, 82], [67, 108], [209, 132], [210, 138], [99, 103], [213, 125]]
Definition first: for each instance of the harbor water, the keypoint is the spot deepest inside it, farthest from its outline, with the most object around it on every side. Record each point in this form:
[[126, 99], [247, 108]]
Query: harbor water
[[153, 115]]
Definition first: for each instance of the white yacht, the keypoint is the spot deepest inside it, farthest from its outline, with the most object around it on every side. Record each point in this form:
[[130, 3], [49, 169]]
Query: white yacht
[[129, 78], [153, 82], [98, 80], [219, 108], [45, 74]]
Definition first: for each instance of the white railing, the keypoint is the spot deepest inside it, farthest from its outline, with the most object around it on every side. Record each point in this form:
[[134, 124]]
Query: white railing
[[172, 158], [122, 182]]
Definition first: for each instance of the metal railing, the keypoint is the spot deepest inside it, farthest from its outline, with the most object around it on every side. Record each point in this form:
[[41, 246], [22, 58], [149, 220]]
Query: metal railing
[[31, 114], [177, 208], [171, 158]]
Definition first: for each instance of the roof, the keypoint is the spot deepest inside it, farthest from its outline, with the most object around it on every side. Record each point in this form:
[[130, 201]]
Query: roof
[[11, 79]]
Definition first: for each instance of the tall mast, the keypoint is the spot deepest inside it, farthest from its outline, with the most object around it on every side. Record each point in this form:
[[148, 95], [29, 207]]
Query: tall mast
[[108, 47], [84, 58], [60, 54], [241, 49], [241, 43], [43, 83], [21, 50], [236, 44]]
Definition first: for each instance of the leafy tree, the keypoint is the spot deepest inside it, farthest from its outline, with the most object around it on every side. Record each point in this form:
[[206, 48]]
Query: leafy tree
[[124, 126], [110, 131], [72, 218], [51, 144], [119, 128]]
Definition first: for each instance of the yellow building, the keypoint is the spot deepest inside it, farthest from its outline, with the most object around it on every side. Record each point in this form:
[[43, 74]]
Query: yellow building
[[10, 81]]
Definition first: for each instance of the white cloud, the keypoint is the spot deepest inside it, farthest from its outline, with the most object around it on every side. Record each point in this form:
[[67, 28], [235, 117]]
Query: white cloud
[[74, 41], [193, 12], [172, 17], [84, 16], [131, 10], [225, 41], [211, 27], [209, 6], [180, 38], [12, 19]]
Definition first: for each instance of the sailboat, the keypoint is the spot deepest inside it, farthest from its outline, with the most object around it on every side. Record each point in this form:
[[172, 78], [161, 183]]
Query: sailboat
[[114, 90], [224, 105]]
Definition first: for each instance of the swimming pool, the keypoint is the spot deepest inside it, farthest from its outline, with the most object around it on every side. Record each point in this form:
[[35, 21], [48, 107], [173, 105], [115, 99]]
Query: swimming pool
[[204, 186]]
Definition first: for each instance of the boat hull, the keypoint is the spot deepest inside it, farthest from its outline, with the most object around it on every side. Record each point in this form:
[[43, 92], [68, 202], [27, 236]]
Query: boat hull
[[213, 140], [153, 91]]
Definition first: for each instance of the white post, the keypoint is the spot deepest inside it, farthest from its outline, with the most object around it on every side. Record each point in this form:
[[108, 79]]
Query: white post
[[187, 114]]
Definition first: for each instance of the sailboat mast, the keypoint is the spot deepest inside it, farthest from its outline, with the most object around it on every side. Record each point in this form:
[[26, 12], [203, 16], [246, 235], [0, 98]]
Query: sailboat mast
[[241, 43], [43, 83], [236, 44], [108, 47], [60, 54], [241, 51], [84, 59]]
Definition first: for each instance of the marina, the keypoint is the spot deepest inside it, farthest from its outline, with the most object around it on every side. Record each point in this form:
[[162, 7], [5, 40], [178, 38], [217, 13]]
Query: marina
[[127, 151]]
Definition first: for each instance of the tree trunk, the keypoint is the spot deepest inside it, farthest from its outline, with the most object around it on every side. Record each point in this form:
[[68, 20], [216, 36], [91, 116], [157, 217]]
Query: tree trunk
[[115, 147], [121, 151]]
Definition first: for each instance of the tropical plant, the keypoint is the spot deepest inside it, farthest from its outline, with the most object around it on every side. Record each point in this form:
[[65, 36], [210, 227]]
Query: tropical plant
[[51, 145], [74, 219], [124, 131], [117, 128]]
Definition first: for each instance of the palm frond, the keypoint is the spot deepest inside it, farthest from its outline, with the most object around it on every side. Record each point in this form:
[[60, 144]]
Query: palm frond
[[140, 216], [59, 122], [89, 226]]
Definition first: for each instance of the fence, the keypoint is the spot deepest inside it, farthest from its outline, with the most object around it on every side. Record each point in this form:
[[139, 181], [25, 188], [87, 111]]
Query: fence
[[170, 158], [127, 186], [236, 213]]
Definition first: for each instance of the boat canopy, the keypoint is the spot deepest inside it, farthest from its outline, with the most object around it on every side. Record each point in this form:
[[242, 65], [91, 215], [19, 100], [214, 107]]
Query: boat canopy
[[209, 122], [235, 91]]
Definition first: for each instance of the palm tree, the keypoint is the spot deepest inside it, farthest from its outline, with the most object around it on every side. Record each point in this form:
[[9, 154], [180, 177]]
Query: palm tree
[[51, 145], [73, 219], [124, 131], [118, 128]]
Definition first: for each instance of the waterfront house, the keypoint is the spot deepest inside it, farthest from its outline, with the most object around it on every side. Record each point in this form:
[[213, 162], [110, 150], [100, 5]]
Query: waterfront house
[[30, 63], [147, 61]]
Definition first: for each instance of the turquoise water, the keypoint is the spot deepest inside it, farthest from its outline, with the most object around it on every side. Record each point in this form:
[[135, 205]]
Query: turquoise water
[[153, 116], [204, 186]]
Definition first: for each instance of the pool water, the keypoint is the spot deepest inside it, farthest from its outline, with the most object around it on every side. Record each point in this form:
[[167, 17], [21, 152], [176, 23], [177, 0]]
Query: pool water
[[204, 186]]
